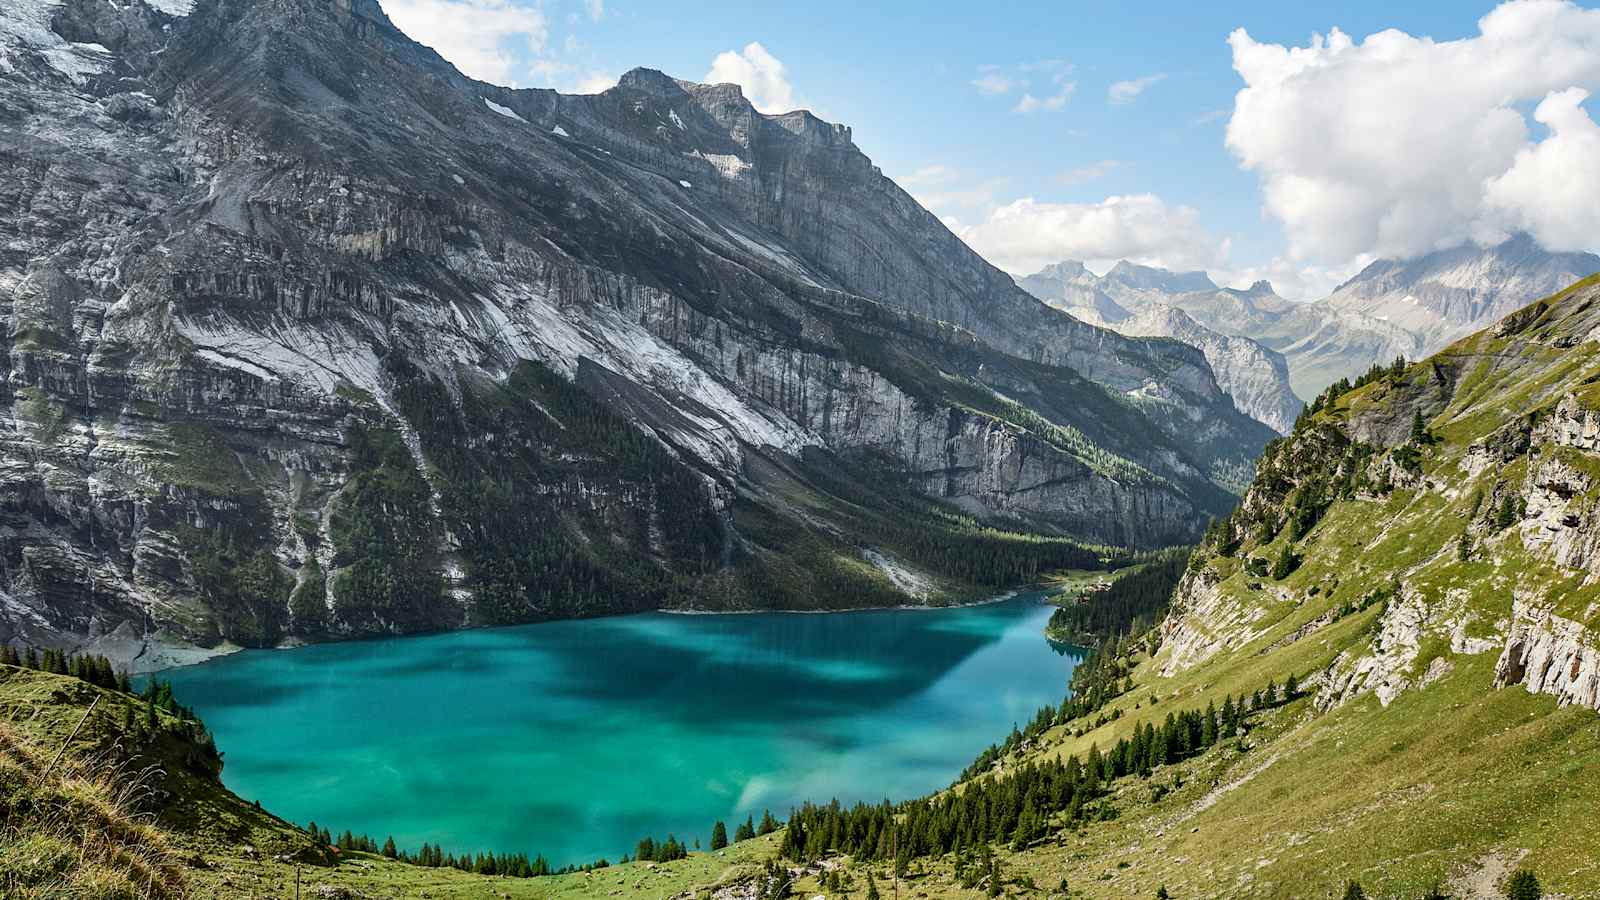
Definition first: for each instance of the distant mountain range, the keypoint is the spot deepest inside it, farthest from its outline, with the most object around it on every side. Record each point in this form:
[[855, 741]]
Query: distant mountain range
[[1138, 300], [1409, 308]]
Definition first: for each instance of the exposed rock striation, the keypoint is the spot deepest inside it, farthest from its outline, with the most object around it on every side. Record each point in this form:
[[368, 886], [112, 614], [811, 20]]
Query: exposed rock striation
[[310, 336]]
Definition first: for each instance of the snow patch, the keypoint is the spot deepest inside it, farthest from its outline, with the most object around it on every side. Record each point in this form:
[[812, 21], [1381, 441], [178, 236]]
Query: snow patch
[[25, 25], [558, 131], [503, 110], [683, 183], [673, 115], [179, 8], [726, 164]]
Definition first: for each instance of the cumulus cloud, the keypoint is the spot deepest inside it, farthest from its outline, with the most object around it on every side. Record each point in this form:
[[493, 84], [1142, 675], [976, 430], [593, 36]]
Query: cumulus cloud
[[1050, 102], [1398, 145], [1122, 92], [760, 74], [992, 83], [1026, 235], [482, 38], [1290, 279], [1552, 188]]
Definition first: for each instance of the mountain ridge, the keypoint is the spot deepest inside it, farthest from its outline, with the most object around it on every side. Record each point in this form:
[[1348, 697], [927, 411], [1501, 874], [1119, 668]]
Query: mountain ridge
[[1391, 308], [415, 352]]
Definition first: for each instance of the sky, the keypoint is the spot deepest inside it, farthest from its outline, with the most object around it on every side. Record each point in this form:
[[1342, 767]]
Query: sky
[[1292, 142]]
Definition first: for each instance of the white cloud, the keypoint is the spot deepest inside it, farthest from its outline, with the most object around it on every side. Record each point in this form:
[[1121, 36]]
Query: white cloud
[[760, 74], [1049, 103], [595, 82], [1091, 172], [485, 39], [1127, 91], [952, 193], [1398, 145], [1044, 84], [993, 83], [596, 9], [1552, 188], [1291, 279], [1026, 235]]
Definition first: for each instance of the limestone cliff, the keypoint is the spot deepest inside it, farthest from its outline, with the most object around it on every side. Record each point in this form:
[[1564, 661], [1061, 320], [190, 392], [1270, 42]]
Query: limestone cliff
[[310, 336]]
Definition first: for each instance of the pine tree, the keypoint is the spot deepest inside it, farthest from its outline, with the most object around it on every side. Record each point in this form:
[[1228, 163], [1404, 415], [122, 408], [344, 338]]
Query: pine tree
[[768, 823], [1353, 891], [872, 888], [1507, 515], [746, 831], [1285, 564], [388, 847], [1161, 893], [1524, 885], [1419, 428], [719, 835]]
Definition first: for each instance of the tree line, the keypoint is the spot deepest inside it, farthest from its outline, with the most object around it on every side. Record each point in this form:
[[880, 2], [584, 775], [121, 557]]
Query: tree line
[[199, 747], [1133, 602], [1017, 807]]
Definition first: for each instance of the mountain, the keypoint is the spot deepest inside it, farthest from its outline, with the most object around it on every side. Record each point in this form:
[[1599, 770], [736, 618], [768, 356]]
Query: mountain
[[1188, 307], [1444, 295], [1392, 308], [1134, 279], [1255, 377], [1379, 669], [311, 336], [1073, 289]]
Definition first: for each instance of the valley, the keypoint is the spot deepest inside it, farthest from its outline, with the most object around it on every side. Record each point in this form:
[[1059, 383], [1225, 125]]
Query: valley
[[415, 483]]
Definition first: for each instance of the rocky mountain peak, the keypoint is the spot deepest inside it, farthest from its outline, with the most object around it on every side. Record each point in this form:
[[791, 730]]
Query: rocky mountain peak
[[1152, 278], [1069, 268]]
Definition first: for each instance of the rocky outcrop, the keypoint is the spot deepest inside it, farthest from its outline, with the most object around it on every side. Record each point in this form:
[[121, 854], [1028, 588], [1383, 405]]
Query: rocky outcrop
[[1462, 492], [1549, 654], [1073, 289], [1204, 621], [1384, 670]]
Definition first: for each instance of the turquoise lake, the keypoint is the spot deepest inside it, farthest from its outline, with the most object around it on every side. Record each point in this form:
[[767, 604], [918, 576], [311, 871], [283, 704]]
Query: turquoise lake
[[574, 739]]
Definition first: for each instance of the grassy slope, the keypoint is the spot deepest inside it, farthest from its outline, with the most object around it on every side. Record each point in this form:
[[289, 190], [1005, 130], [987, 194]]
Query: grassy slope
[[1451, 780], [204, 840]]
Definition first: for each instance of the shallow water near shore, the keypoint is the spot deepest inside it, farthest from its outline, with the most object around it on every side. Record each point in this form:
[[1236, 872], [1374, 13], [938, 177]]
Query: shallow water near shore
[[574, 739]]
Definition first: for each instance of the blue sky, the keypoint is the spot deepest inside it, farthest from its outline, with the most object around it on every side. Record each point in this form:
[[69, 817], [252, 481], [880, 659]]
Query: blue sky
[[1126, 101]]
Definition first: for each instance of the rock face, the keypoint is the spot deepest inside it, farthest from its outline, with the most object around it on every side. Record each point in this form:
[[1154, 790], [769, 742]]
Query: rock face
[[1075, 290], [1549, 654], [1449, 507], [310, 336], [1446, 295], [1255, 377]]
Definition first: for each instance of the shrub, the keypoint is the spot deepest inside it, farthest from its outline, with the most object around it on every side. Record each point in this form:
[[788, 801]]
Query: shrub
[[1523, 885]]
